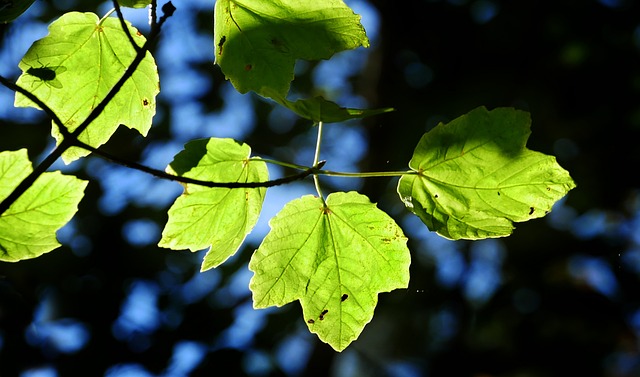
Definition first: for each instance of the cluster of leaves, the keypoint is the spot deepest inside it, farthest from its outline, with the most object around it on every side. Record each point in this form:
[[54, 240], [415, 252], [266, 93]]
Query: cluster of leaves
[[468, 179]]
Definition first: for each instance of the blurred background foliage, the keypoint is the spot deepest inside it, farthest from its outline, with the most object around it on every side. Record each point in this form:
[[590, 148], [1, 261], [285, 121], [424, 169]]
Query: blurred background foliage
[[558, 298]]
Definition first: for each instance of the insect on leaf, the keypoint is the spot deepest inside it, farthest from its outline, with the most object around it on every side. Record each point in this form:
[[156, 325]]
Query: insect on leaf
[[47, 75], [74, 67]]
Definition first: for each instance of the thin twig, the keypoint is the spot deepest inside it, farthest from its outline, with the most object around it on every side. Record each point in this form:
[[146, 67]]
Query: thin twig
[[155, 172], [152, 13], [116, 5], [182, 179], [37, 101]]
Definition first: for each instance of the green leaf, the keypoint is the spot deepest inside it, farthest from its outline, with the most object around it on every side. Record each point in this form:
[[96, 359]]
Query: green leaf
[[217, 218], [318, 109], [475, 177], [73, 68], [11, 9], [134, 3], [28, 228], [258, 42], [335, 259]]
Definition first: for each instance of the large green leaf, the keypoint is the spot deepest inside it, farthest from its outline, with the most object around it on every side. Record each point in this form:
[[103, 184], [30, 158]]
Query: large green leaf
[[74, 67], [258, 42], [475, 176], [214, 218], [28, 228], [335, 259]]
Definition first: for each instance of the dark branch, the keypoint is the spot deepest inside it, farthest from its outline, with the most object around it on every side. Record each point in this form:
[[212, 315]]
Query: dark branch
[[152, 13], [37, 101], [231, 185], [71, 139], [155, 172], [116, 5]]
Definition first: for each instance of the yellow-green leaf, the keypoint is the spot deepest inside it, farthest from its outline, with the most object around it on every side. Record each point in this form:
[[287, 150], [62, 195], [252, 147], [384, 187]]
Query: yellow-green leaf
[[214, 218], [28, 228], [334, 259], [474, 176], [74, 67]]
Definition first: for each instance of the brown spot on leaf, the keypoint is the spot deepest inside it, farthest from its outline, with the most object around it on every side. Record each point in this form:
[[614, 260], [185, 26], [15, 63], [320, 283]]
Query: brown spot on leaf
[[531, 210], [145, 102], [311, 321], [222, 40], [248, 67], [344, 297], [321, 316]]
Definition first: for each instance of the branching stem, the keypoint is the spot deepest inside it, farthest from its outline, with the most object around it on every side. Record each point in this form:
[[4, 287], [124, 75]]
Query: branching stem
[[316, 158], [71, 139]]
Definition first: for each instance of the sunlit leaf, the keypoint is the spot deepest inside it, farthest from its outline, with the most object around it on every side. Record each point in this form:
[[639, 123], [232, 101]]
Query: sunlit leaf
[[73, 68], [475, 177], [334, 259], [214, 218], [134, 3], [258, 42], [28, 228]]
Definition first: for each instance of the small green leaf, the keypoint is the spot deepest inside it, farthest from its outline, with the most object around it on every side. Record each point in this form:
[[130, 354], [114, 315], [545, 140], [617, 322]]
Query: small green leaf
[[335, 259], [258, 42], [214, 218], [134, 3], [318, 109], [475, 176], [28, 228], [74, 67]]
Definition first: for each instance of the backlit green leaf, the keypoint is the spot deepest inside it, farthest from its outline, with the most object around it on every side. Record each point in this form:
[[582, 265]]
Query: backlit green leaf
[[74, 67], [214, 218], [334, 260], [258, 42], [134, 3], [475, 176], [28, 228]]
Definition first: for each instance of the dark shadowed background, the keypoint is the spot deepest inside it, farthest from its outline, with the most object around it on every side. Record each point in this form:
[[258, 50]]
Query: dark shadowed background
[[560, 297]]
